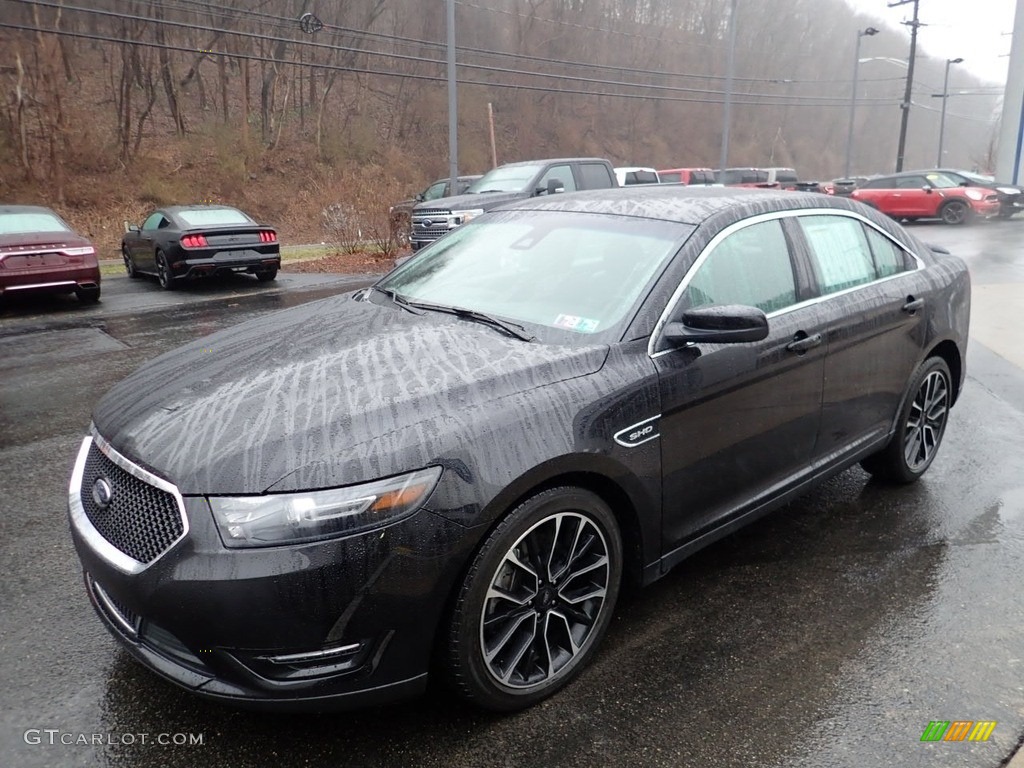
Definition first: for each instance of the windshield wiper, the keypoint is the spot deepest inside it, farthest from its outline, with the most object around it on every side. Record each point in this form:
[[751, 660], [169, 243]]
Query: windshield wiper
[[512, 329], [397, 299]]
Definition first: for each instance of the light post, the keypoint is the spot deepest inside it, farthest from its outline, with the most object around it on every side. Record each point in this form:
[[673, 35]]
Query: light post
[[853, 96], [942, 119]]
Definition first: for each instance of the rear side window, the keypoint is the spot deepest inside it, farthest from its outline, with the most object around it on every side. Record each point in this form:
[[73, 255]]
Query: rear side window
[[889, 258], [751, 266], [839, 248], [877, 184], [595, 176]]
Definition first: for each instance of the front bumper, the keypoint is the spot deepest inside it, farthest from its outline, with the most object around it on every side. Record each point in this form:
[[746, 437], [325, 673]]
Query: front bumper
[[326, 625]]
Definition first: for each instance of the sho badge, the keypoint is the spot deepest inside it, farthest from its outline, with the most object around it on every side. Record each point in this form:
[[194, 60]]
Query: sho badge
[[638, 433]]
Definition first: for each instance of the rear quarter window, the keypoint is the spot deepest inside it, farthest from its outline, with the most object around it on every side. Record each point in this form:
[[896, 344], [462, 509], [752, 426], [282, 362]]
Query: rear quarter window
[[595, 176]]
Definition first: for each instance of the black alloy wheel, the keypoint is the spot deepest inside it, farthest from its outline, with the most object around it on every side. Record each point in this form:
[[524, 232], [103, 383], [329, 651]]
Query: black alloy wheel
[[955, 212], [129, 264], [266, 275], [536, 601], [921, 426], [163, 272]]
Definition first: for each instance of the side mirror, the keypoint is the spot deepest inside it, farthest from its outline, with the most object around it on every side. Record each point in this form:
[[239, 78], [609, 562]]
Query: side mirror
[[927, 189], [554, 186], [131, 227], [419, 197], [718, 324]]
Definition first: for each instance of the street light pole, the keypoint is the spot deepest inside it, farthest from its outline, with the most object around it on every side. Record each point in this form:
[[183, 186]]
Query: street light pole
[[905, 106], [453, 109], [853, 97], [945, 97], [723, 159]]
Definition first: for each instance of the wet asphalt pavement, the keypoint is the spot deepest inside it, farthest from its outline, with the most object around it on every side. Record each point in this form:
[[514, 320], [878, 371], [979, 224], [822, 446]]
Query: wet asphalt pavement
[[828, 634]]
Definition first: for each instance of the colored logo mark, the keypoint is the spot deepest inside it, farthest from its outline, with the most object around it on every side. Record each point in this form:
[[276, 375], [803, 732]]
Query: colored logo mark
[[958, 730]]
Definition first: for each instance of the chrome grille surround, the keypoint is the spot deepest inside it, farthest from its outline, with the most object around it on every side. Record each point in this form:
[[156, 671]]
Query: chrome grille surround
[[148, 537]]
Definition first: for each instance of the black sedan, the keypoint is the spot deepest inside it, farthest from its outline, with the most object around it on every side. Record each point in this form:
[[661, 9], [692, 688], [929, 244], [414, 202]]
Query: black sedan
[[1011, 196], [454, 470], [184, 242]]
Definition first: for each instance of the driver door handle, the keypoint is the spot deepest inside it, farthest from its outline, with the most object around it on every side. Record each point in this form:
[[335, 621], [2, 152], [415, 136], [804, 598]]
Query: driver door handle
[[802, 342], [912, 305]]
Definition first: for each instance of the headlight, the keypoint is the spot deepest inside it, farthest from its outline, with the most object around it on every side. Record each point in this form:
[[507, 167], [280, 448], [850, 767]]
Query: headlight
[[291, 518], [1008, 190], [975, 194], [461, 217]]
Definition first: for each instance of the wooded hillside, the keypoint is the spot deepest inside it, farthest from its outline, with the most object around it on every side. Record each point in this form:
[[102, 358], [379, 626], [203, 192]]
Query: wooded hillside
[[110, 106]]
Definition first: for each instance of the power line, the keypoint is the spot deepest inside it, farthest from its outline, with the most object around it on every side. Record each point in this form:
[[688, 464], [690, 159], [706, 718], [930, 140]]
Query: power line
[[430, 78]]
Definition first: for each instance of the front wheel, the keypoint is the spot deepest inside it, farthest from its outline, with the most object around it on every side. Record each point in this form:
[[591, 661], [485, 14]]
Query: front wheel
[[922, 423], [536, 601], [129, 263], [955, 212]]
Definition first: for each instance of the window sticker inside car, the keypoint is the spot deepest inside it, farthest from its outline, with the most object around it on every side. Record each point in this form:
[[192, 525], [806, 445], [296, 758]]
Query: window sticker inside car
[[574, 323]]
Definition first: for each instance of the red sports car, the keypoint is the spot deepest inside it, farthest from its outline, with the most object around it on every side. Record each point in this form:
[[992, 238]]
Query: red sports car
[[914, 196], [40, 253]]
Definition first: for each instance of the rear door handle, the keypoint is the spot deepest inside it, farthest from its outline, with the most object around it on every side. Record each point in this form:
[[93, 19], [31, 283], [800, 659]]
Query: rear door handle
[[802, 342], [912, 305]]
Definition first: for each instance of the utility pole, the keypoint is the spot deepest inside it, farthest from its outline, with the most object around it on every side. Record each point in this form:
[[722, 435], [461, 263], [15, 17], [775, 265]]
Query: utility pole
[[905, 106], [453, 110], [723, 159], [853, 96]]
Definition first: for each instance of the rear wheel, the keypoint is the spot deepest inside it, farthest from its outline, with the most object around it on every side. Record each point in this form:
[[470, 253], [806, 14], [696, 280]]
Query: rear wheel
[[266, 275], [955, 212], [536, 601], [922, 423], [163, 272]]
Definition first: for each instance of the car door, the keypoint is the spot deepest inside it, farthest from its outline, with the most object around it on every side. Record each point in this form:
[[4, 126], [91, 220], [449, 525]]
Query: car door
[[916, 197], [739, 420], [873, 298], [145, 245]]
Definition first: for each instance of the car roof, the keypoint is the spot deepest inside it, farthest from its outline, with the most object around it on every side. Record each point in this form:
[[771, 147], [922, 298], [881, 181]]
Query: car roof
[[27, 209], [556, 160], [687, 205]]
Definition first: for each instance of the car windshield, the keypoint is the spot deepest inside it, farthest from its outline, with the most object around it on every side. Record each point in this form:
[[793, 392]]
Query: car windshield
[[977, 178], [508, 179], [36, 221], [205, 217], [578, 273]]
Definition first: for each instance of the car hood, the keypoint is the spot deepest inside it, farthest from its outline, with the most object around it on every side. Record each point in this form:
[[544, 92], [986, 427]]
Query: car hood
[[485, 200], [286, 399]]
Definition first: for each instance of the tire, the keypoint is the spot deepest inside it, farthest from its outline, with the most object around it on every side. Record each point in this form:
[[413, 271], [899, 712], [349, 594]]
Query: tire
[[921, 425], [509, 652], [955, 212], [163, 272], [129, 265], [266, 275], [88, 295]]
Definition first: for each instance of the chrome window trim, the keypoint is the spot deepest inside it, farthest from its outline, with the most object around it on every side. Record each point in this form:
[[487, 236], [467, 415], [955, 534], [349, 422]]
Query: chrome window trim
[[80, 521], [659, 327]]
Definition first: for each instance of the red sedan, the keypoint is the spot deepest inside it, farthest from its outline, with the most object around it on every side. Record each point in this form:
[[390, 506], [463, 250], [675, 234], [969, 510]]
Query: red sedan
[[40, 253], [914, 196]]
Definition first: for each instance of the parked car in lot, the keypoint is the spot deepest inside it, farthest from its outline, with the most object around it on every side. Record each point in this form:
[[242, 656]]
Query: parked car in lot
[[692, 176], [183, 242], [512, 181], [913, 195], [630, 175], [462, 463], [844, 186], [1011, 196], [399, 215], [41, 253]]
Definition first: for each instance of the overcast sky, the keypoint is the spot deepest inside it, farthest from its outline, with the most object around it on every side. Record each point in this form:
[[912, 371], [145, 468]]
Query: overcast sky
[[978, 31]]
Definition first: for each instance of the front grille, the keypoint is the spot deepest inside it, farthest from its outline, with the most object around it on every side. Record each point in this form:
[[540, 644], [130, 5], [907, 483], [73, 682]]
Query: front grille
[[426, 213], [141, 521]]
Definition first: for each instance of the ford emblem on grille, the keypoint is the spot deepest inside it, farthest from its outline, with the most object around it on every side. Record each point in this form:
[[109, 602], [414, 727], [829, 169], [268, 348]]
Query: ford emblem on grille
[[426, 224], [102, 492]]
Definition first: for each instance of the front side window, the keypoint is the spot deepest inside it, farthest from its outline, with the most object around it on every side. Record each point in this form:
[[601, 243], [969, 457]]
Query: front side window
[[435, 191], [154, 221], [751, 266], [560, 173], [912, 182], [572, 276], [839, 248]]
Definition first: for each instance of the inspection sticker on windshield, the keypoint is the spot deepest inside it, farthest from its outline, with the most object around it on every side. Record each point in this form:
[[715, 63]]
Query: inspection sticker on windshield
[[574, 323]]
